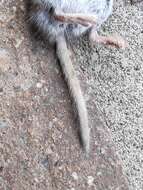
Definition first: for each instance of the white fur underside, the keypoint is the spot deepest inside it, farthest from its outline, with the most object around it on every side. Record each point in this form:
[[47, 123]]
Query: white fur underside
[[99, 8]]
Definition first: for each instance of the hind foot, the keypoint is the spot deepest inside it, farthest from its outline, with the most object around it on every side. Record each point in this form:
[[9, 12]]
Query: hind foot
[[114, 40]]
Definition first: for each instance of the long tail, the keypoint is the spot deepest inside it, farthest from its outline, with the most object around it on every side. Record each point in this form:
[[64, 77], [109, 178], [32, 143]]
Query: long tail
[[75, 90]]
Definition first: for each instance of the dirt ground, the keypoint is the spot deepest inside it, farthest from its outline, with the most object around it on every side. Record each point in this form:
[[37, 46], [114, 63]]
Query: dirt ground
[[39, 147]]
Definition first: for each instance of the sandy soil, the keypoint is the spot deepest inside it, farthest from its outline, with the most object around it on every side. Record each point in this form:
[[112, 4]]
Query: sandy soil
[[39, 147]]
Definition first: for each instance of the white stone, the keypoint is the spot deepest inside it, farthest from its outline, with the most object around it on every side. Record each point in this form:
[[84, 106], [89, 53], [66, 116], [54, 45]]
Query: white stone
[[90, 180], [75, 176], [39, 85]]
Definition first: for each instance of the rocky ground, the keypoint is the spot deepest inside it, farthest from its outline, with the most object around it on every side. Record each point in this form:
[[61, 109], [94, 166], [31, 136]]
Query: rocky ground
[[39, 147]]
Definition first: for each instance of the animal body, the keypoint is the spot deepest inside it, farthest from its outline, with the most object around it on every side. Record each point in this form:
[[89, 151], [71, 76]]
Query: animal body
[[56, 19]]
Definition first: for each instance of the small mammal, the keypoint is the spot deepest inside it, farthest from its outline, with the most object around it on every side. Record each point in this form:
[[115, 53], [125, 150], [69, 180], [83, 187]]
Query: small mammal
[[54, 18]]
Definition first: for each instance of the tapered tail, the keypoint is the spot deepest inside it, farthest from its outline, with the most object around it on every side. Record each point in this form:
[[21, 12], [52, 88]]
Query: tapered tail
[[75, 90]]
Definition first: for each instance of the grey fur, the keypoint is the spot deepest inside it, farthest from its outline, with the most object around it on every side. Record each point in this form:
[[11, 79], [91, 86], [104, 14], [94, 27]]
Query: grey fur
[[55, 31]]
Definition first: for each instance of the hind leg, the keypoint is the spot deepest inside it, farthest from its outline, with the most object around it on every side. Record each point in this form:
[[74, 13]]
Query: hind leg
[[114, 40], [77, 18]]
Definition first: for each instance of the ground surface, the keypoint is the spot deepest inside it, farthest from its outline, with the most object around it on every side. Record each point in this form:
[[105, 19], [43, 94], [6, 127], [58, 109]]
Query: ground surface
[[39, 148]]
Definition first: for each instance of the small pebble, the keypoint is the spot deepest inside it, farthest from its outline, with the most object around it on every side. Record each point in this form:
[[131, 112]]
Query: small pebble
[[39, 85], [99, 174], [3, 125], [90, 180], [18, 42], [75, 176], [4, 60], [1, 90], [45, 162], [103, 151]]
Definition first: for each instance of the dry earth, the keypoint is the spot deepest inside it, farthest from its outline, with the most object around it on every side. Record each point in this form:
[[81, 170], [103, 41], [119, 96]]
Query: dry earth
[[39, 148]]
